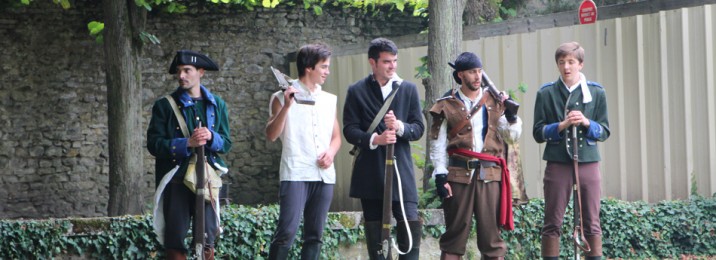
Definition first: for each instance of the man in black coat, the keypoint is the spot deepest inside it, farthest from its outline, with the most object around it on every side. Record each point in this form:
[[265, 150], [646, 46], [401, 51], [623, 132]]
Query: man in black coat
[[402, 123]]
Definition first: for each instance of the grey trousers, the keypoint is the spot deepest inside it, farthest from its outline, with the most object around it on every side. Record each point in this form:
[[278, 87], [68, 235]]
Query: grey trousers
[[558, 181], [310, 198]]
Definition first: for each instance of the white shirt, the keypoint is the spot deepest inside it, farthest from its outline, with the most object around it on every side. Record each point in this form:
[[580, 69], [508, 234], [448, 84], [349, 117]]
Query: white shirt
[[385, 90], [306, 134]]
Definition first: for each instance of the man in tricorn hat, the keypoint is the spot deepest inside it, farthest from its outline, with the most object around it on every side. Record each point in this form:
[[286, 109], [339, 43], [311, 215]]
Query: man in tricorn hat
[[470, 126], [207, 121]]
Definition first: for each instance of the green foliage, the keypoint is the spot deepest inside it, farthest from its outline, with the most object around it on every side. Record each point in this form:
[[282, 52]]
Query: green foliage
[[95, 29], [423, 72], [631, 230], [521, 88]]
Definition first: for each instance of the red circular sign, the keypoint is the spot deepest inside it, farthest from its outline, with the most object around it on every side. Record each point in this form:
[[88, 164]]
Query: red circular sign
[[587, 12]]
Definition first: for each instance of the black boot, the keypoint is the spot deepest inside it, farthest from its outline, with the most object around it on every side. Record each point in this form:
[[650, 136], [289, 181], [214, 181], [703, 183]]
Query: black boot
[[416, 231], [311, 251], [372, 239], [277, 252]]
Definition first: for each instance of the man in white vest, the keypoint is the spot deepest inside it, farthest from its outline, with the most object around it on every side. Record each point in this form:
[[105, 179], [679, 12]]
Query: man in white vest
[[310, 137]]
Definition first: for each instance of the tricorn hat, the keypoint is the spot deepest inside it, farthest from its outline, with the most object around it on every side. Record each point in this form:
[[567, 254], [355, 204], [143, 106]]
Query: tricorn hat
[[465, 61], [187, 57]]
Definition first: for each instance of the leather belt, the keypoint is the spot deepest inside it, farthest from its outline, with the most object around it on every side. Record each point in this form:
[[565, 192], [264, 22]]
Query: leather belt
[[462, 163]]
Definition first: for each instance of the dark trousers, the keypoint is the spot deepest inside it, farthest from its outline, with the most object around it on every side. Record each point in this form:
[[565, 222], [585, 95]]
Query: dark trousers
[[373, 210], [311, 198], [558, 180], [179, 208], [478, 199]]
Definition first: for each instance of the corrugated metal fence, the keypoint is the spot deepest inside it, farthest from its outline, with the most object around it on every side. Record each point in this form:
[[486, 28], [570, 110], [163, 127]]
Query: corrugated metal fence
[[658, 70]]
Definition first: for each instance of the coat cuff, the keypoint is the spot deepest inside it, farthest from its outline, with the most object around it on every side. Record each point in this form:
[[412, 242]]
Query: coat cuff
[[216, 142], [595, 130], [179, 148], [550, 133]]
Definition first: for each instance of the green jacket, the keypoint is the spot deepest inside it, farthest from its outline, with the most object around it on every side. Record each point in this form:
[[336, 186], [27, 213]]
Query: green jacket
[[552, 104], [166, 141]]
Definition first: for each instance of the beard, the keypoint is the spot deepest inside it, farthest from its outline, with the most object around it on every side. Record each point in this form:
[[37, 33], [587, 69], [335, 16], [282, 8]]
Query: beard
[[472, 86]]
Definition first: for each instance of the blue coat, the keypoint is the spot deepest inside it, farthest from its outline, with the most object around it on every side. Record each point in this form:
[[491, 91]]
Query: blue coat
[[363, 101]]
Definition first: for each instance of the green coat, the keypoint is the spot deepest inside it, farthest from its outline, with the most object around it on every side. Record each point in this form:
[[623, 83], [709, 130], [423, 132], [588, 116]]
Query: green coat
[[553, 102], [166, 141]]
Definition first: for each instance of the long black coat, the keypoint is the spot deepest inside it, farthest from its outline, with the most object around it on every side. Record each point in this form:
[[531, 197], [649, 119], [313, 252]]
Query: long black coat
[[363, 101]]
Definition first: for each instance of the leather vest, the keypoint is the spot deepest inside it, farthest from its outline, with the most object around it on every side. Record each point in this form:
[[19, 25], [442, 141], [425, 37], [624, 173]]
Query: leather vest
[[452, 109]]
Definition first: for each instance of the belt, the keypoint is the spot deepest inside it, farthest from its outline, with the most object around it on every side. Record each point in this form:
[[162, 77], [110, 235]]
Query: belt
[[467, 164]]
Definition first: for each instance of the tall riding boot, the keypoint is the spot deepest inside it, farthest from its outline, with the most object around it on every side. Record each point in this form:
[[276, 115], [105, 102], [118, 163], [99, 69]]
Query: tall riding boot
[[550, 248], [416, 231], [449, 256], [208, 253], [311, 251], [372, 239], [174, 254], [595, 243], [277, 252]]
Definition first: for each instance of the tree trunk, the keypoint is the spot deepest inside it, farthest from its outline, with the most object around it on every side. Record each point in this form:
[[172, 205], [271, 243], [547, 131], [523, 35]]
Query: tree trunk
[[123, 22], [475, 10], [444, 44]]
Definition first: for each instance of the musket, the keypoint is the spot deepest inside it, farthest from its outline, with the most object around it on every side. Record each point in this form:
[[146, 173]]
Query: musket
[[283, 83], [580, 242], [510, 104], [199, 229], [387, 201]]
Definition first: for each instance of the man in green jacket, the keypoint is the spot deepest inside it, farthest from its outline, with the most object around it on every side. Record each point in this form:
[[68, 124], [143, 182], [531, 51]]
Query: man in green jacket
[[206, 118], [570, 103]]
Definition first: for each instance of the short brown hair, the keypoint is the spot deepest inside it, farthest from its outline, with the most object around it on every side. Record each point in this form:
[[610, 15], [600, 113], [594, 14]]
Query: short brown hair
[[310, 55], [569, 48]]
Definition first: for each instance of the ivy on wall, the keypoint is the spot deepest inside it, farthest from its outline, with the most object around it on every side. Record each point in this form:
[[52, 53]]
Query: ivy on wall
[[631, 230]]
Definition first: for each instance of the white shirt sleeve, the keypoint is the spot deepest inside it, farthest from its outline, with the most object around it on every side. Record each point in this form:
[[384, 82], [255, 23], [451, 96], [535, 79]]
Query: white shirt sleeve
[[438, 151], [371, 145], [401, 128]]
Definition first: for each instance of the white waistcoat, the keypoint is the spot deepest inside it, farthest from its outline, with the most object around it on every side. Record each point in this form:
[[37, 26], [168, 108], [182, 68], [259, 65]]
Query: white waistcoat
[[306, 134]]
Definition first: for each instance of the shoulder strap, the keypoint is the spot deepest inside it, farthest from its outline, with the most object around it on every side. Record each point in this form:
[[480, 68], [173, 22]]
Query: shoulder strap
[[179, 116], [474, 110], [384, 108]]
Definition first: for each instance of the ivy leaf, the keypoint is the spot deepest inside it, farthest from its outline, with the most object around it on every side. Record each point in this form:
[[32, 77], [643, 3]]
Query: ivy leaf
[[317, 10]]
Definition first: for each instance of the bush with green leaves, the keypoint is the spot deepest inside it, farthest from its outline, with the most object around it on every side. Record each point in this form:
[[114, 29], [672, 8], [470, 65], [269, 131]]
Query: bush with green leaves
[[631, 230]]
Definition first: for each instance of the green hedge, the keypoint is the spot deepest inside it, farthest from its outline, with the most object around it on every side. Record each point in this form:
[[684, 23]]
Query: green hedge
[[668, 229]]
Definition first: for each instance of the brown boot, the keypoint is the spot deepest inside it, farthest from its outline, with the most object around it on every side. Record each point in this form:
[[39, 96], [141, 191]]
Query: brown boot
[[550, 248], [595, 243], [208, 253], [449, 256], [174, 254]]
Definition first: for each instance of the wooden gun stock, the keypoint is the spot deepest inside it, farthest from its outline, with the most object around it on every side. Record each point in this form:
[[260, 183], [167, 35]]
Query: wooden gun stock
[[510, 105]]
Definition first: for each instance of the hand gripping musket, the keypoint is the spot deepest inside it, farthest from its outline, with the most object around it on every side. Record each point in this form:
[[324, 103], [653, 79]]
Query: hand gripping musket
[[387, 201], [580, 242], [199, 228], [283, 83], [510, 104]]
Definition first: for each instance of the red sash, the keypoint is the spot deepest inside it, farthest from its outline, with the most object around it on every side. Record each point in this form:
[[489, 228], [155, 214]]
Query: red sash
[[505, 218]]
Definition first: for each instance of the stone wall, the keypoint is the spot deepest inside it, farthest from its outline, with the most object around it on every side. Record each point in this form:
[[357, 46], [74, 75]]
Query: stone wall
[[53, 113]]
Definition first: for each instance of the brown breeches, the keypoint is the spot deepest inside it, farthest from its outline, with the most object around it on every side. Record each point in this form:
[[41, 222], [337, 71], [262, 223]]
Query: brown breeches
[[558, 180], [478, 198]]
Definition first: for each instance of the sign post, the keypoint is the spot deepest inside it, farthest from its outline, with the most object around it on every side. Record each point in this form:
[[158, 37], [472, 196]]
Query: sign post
[[587, 12]]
